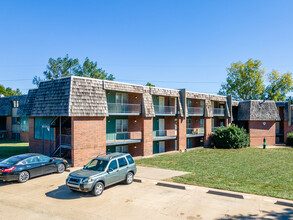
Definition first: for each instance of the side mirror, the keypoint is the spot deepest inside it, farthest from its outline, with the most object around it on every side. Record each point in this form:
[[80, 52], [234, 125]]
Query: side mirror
[[51, 160], [110, 170], [83, 166]]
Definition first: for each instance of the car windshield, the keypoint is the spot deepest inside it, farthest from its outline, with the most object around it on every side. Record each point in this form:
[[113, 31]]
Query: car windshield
[[97, 165], [12, 160]]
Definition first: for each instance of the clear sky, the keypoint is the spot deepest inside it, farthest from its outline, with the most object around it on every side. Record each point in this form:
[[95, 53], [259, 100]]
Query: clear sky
[[173, 44]]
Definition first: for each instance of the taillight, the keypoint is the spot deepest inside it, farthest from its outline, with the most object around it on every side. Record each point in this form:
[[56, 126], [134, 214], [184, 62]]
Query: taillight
[[8, 170]]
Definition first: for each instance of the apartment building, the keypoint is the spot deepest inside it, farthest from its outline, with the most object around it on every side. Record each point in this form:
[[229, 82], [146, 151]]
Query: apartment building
[[82, 118], [12, 125]]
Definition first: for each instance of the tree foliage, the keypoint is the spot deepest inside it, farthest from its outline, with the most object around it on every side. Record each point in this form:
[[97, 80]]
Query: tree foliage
[[62, 67], [149, 84], [8, 91], [245, 81]]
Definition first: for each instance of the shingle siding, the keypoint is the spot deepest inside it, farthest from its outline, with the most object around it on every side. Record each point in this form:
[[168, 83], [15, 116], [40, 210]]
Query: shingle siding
[[5, 104]]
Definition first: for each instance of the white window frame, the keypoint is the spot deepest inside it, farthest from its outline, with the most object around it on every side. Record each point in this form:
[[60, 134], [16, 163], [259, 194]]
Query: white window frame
[[121, 125], [121, 98]]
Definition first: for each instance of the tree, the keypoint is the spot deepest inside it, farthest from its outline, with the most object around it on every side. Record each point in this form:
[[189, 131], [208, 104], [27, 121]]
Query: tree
[[279, 86], [149, 84], [245, 81], [62, 67], [8, 91]]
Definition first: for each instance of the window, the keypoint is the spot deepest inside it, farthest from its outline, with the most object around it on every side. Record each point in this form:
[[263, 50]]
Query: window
[[202, 123], [121, 125], [122, 149], [44, 159], [130, 159], [15, 104], [16, 120], [32, 160], [121, 97], [188, 123], [42, 129], [24, 124], [122, 162], [113, 165], [97, 165]]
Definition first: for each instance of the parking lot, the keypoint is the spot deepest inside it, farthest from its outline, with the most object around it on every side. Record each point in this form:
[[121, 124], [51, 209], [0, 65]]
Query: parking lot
[[48, 197]]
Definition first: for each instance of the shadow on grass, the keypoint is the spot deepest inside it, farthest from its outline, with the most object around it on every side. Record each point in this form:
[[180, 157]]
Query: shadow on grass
[[64, 193], [285, 215]]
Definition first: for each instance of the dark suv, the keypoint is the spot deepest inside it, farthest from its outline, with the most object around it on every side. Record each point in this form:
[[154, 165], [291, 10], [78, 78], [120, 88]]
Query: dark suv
[[102, 172]]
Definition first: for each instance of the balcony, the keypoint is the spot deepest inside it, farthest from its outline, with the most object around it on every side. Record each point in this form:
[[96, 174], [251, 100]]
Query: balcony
[[165, 110], [195, 111], [194, 132], [164, 135], [215, 128], [121, 138], [124, 109], [219, 112]]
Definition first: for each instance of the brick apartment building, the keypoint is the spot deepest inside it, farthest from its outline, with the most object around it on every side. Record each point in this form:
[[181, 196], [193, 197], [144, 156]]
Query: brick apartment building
[[12, 125], [88, 117]]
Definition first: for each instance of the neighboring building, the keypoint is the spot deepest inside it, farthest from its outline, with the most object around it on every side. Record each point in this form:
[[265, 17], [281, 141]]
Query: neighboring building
[[87, 117], [12, 124]]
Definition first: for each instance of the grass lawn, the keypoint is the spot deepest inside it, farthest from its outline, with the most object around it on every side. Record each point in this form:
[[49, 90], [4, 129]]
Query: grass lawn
[[10, 148], [264, 172]]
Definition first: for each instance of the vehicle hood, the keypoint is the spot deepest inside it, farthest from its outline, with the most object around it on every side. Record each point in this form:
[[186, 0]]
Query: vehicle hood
[[85, 173]]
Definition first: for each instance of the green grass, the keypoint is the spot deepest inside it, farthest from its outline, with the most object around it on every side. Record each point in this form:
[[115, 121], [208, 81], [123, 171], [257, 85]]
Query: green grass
[[250, 170], [10, 148]]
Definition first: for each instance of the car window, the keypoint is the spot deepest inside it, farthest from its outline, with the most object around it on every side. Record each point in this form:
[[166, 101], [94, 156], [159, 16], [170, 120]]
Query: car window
[[12, 160], [122, 162], [23, 162], [32, 160], [130, 159], [113, 165], [97, 165], [44, 159]]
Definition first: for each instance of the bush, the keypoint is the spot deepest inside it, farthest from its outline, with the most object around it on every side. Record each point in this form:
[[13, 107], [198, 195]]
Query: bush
[[231, 137], [289, 140]]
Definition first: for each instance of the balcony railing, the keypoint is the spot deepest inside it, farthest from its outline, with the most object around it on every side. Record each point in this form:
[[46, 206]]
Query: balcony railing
[[65, 139], [117, 137], [219, 112], [195, 111], [163, 133], [215, 128], [194, 130], [164, 110], [121, 108]]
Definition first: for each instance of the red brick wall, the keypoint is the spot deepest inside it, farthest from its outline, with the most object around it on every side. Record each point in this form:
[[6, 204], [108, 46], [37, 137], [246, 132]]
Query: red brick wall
[[195, 103], [88, 139], [135, 149], [207, 131], [9, 127], [258, 131], [181, 133], [24, 136], [287, 129], [134, 123], [134, 98], [195, 122], [147, 136], [169, 122], [35, 145], [169, 145]]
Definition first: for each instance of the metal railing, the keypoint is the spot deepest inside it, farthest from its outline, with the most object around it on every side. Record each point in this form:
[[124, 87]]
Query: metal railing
[[164, 110], [119, 108], [195, 111], [194, 130], [215, 128], [65, 139], [219, 112], [116, 137], [162, 133]]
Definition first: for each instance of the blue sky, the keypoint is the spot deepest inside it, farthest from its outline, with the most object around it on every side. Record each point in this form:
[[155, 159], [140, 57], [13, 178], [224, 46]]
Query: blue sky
[[173, 44]]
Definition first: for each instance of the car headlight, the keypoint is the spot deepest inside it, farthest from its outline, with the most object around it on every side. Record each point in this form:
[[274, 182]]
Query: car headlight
[[87, 180]]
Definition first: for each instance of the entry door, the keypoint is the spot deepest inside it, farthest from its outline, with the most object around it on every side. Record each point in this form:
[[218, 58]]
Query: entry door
[[161, 146], [161, 101], [162, 127]]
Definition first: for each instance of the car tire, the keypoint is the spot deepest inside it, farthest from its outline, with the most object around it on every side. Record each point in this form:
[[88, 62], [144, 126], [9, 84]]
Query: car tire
[[129, 178], [60, 168], [98, 189], [23, 177]]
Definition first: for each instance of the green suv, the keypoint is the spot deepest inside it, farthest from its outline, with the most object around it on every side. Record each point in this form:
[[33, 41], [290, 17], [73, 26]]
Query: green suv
[[102, 172]]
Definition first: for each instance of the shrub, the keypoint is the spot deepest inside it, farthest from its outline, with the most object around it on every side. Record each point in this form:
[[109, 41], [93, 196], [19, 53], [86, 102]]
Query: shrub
[[231, 137], [289, 140]]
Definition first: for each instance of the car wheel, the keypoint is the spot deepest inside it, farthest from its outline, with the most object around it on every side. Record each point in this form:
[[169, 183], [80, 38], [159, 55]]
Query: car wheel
[[23, 177], [129, 178], [60, 168], [98, 189]]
